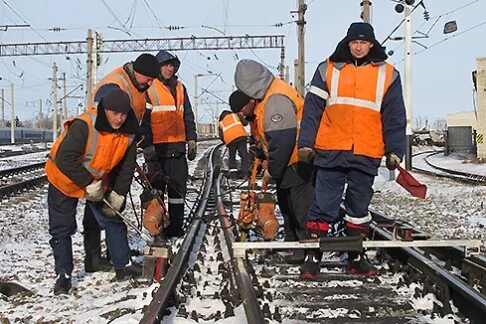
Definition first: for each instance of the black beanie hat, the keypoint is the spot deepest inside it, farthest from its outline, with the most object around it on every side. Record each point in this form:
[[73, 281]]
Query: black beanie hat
[[238, 100], [361, 31], [116, 100], [147, 65]]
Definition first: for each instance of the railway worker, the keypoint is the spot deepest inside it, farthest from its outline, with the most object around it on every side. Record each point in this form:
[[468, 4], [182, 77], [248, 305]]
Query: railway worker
[[81, 160], [134, 78], [274, 110], [168, 125], [232, 132], [353, 116]]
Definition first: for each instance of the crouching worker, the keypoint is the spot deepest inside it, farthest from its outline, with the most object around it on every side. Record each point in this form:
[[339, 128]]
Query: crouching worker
[[79, 165], [233, 134]]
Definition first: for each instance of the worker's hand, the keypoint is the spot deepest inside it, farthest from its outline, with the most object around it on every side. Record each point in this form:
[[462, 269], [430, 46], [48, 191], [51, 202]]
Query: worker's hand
[[191, 150], [116, 201], [94, 191], [306, 155], [267, 177], [153, 172], [392, 160], [149, 153]]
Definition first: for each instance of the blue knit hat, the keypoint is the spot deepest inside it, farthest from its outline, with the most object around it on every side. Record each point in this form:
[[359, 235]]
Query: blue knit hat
[[361, 31]]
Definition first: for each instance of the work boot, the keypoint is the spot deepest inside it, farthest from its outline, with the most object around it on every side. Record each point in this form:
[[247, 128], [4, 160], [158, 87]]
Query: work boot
[[361, 266], [63, 284], [132, 270], [312, 265]]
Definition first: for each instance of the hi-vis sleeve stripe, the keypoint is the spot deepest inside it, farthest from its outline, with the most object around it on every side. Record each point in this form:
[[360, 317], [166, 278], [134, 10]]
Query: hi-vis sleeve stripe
[[163, 108], [319, 92]]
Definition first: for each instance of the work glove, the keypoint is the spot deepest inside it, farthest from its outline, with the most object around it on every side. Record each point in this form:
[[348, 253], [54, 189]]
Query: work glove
[[191, 150], [116, 201], [153, 172], [392, 160], [94, 191], [149, 153], [306, 155], [266, 177]]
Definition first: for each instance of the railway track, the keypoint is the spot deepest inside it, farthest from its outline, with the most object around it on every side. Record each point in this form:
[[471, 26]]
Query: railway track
[[16, 180], [435, 170], [266, 288]]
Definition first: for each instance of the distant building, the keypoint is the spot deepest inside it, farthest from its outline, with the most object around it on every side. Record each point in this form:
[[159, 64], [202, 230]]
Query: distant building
[[465, 118]]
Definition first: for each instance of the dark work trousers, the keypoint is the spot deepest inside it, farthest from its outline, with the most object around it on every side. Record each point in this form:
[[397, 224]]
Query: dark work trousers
[[62, 225], [240, 146], [294, 203], [329, 189], [174, 183], [116, 235]]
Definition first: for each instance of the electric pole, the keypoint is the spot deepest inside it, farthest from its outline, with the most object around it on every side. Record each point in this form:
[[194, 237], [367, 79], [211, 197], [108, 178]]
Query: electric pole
[[54, 102], [408, 83], [64, 99], [300, 80], [366, 11], [196, 95], [3, 108], [89, 69], [12, 116], [41, 121]]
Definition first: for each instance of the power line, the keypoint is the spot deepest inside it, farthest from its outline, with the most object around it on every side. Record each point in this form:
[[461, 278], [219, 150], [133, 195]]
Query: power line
[[23, 20]]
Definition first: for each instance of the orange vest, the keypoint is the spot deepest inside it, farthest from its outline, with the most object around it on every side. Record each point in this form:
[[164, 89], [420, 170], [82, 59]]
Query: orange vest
[[122, 79], [167, 117], [103, 151], [352, 117], [232, 128], [278, 86]]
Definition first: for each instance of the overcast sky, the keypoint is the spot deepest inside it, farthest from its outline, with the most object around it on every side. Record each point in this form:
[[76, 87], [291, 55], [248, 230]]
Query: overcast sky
[[441, 73]]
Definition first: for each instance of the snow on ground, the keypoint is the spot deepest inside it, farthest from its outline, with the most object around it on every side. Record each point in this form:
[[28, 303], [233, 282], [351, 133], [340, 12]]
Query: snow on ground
[[450, 210], [21, 160]]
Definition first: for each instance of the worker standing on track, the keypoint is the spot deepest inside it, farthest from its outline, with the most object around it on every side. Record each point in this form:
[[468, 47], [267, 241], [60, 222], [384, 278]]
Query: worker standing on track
[[134, 78], [168, 125], [353, 116], [232, 132], [274, 109], [79, 165]]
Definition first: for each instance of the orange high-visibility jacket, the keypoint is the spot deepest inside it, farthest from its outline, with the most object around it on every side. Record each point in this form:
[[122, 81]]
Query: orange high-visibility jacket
[[352, 117], [120, 77], [167, 116], [278, 87], [232, 128], [104, 150]]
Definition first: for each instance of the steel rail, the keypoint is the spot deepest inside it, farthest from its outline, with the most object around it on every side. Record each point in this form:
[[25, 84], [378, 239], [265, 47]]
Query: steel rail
[[245, 286], [7, 172], [157, 307], [9, 190], [471, 303]]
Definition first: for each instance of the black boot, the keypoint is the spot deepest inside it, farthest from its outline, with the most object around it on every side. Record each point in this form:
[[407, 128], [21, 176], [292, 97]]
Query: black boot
[[312, 262], [132, 270], [93, 261], [358, 263], [312, 265], [63, 284]]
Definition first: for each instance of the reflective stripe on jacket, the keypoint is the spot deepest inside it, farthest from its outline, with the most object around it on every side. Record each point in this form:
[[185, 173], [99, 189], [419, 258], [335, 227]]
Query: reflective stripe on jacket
[[167, 116], [352, 116], [278, 86], [120, 77], [232, 128], [103, 151]]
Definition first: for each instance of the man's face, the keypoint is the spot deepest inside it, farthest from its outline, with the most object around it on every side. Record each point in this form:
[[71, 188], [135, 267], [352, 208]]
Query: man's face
[[248, 109], [143, 80], [115, 118], [359, 48], [167, 70]]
